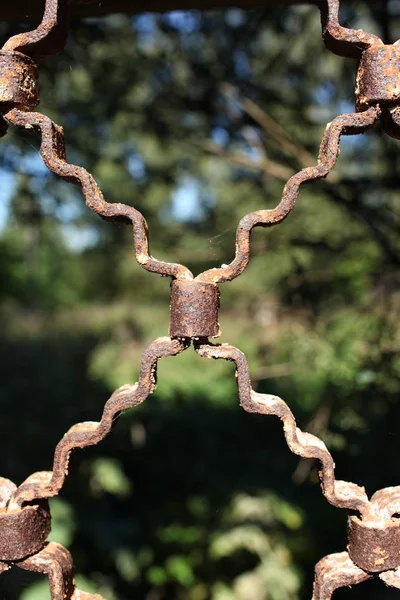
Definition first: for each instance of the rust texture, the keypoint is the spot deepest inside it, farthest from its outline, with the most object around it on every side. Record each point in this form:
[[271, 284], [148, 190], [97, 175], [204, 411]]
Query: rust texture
[[22, 532], [55, 562], [383, 536], [49, 37], [47, 484], [374, 532], [378, 77], [25, 521], [19, 81], [194, 309]]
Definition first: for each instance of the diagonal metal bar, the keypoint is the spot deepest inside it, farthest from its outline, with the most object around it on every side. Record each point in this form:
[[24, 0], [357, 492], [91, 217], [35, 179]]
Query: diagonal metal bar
[[373, 525], [341, 494], [48, 38], [348, 124], [47, 484], [53, 154]]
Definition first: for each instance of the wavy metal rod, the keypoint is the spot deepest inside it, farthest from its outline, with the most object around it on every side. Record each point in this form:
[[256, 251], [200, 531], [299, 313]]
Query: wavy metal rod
[[53, 153], [341, 494], [350, 43], [48, 483], [347, 124], [48, 38]]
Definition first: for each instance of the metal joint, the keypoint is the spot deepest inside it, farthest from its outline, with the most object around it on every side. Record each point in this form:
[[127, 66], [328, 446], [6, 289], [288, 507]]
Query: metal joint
[[378, 84], [378, 77], [23, 531], [19, 81], [374, 546], [194, 310], [374, 535]]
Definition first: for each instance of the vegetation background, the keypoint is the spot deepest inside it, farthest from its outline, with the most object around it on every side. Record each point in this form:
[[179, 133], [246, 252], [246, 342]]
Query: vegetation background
[[197, 119]]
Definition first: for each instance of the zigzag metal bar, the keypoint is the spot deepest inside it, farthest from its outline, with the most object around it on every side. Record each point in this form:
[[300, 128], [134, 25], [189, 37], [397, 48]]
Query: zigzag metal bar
[[347, 124], [341, 494], [340, 40], [56, 562], [47, 484], [374, 539], [53, 154], [48, 38], [336, 571]]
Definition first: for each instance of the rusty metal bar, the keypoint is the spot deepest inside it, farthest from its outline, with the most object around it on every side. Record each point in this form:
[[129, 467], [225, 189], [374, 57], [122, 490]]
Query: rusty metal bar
[[373, 524]]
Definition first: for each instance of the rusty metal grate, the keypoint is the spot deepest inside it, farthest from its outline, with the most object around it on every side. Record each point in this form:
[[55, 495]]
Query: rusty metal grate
[[25, 521]]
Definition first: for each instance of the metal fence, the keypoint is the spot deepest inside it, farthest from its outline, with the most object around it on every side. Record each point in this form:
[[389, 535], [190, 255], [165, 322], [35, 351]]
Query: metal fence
[[25, 520]]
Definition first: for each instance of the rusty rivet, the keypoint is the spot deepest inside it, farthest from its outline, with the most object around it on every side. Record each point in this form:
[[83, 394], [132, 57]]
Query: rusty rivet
[[23, 532], [194, 309], [19, 81], [378, 77], [374, 546]]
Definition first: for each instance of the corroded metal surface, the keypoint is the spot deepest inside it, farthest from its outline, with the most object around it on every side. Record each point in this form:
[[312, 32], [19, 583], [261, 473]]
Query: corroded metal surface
[[55, 562], [340, 40], [19, 81], [194, 309], [373, 525], [49, 37], [342, 494], [19, 84], [374, 533], [348, 124], [23, 532], [53, 154], [336, 571], [374, 546], [48, 484], [378, 77]]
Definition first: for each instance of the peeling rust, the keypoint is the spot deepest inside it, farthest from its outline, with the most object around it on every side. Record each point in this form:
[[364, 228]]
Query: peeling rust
[[19, 82], [340, 40], [373, 525], [374, 533], [47, 484], [374, 546], [49, 37], [336, 571], [53, 154], [347, 124], [194, 309], [378, 77], [55, 562], [24, 532]]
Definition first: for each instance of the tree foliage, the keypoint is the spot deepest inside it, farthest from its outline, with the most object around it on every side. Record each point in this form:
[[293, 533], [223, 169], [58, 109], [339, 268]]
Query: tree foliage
[[197, 119]]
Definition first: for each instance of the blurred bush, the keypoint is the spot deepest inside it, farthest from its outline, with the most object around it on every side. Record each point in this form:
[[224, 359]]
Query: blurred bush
[[197, 119]]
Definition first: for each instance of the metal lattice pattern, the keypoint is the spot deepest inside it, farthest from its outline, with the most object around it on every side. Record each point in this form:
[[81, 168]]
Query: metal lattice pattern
[[25, 521]]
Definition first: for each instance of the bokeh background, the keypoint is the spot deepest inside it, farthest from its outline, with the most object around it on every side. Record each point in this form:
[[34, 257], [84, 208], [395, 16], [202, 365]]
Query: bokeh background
[[196, 119]]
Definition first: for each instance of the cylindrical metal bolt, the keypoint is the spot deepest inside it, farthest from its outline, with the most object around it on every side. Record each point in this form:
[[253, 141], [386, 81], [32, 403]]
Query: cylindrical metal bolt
[[378, 77], [194, 309], [19, 81], [374, 547], [23, 532]]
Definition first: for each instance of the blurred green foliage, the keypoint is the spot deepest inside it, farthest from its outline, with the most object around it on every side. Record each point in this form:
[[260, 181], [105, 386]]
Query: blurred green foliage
[[197, 119]]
